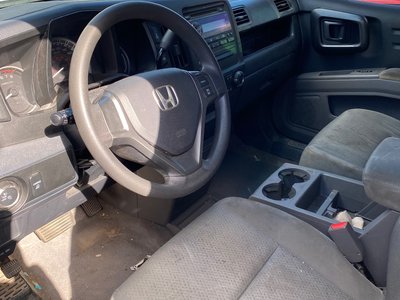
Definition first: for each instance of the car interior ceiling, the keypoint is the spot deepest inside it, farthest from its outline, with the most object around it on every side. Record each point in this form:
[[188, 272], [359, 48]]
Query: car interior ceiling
[[182, 127]]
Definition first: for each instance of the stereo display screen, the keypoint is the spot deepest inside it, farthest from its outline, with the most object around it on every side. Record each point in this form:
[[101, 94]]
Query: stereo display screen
[[213, 25]]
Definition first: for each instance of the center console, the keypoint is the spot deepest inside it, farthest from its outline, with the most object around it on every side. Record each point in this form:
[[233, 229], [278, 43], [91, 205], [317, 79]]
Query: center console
[[317, 197]]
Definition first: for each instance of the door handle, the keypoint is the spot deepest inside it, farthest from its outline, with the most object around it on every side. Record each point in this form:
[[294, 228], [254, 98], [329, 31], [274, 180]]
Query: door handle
[[339, 32], [333, 30]]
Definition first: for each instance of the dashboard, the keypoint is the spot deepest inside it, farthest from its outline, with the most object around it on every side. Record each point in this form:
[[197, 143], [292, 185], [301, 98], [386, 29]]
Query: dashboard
[[47, 170]]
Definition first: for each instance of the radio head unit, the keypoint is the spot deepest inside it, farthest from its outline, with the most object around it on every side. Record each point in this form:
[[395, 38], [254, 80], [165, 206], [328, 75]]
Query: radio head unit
[[215, 26]]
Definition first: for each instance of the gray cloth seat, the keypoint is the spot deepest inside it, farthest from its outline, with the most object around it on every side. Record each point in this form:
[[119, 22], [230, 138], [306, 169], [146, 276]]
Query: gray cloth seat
[[344, 146], [244, 249]]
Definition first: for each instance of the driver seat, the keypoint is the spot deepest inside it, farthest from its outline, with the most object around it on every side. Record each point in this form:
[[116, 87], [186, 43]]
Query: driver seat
[[244, 249]]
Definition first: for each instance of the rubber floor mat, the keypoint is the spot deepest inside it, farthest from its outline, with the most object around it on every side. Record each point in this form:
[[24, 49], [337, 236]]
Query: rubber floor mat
[[13, 288]]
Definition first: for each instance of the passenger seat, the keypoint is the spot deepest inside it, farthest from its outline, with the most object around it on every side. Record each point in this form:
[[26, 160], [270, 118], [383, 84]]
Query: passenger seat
[[344, 146]]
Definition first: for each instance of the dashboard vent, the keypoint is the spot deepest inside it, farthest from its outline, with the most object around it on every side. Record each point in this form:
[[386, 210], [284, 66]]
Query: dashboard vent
[[241, 16], [282, 5]]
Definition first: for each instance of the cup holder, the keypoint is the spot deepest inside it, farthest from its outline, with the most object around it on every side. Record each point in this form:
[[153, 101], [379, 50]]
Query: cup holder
[[278, 191], [284, 189], [295, 175]]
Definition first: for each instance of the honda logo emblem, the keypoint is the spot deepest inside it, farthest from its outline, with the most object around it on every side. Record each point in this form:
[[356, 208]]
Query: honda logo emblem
[[166, 97]]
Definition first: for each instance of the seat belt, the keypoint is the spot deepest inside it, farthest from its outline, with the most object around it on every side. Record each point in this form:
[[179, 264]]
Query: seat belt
[[347, 241]]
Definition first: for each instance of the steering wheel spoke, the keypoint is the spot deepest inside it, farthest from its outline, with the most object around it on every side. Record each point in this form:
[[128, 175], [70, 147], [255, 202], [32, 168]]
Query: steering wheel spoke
[[109, 118], [206, 87], [185, 163], [129, 145]]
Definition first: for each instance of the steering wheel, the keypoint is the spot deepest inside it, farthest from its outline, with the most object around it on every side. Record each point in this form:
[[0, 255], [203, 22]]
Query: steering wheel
[[155, 118]]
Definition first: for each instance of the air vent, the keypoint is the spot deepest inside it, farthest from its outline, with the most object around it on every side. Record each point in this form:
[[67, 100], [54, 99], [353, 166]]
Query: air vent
[[241, 16], [282, 5]]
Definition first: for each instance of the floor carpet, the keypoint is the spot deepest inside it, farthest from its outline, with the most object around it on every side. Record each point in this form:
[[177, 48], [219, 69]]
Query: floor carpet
[[93, 258]]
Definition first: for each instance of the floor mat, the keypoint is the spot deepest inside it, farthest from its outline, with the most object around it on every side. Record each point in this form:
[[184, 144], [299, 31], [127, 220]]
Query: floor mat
[[93, 258], [13, 288]]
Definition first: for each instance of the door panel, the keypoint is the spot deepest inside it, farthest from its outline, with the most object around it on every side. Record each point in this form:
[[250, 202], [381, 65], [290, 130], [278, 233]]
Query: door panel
[[310, 101], [347, 47], [383, 49]]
